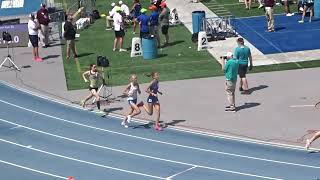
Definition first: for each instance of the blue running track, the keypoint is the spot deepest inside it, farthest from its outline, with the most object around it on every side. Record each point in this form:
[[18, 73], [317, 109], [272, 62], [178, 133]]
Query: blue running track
[[289, 35], [42, 139]]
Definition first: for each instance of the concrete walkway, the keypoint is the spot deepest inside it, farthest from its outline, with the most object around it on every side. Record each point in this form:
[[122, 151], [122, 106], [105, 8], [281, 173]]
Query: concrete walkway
[[269, 113], [219, 48]]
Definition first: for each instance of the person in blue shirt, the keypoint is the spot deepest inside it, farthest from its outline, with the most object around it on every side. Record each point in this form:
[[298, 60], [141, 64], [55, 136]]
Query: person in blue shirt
[[243, 54], [144, 20], [154, 23], [136, 13]]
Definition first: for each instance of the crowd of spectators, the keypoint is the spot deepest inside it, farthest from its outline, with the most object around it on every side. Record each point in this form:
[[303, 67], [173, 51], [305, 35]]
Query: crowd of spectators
[[150, 21]]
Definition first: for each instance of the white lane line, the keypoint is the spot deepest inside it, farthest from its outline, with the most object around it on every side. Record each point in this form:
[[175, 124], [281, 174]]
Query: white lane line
[[188, 130], [16, 127], [170, 177], [301, 106], [163, 142], [79, 160], [29, 169], [136, 154]]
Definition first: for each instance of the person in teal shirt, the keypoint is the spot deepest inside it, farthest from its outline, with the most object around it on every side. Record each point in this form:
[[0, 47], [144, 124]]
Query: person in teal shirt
[[243, 54], [230, 66]]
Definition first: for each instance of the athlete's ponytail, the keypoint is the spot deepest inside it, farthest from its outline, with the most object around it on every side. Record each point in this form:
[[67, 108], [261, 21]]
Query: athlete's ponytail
[[91, 66], [151, 74]]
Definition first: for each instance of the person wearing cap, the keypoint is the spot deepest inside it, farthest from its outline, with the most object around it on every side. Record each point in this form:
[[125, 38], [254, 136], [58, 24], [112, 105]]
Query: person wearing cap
[[136, 10], [144, 20], [124, 8], [164, 21], [118, 30], [230, 67], [33, 28], [156, 3], [243, 54], [70, 36], [109, 18], [154, 23], [43, 18]]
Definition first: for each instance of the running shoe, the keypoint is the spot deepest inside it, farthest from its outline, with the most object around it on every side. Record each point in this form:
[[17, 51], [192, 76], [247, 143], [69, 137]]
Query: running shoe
[[39, 59], [100, 112], [82, 103], [245, 92], [128, 118], [307, 144], [158, 127], [301, 21], [260, 6], [233, 109], [122, 50], [123, 123]]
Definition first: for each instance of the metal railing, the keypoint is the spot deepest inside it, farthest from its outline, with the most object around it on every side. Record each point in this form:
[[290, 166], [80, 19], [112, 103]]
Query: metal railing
[[222, 27]]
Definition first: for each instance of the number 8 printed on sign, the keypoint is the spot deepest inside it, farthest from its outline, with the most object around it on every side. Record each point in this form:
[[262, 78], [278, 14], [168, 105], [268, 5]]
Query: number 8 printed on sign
[[136, 49]]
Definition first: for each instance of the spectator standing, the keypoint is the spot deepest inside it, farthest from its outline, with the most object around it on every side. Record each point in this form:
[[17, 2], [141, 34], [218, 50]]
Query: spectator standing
[[307, 4], [242, 53], [164, 21], [248, 3], [33, 28], [260, 4], [109, 18], [136, 9], [287, 8], [124, 8], [268, 4], [157, 3], [230, 67], [154, 23], [70, 36], [118, 30], [143, 20], [43, 18]]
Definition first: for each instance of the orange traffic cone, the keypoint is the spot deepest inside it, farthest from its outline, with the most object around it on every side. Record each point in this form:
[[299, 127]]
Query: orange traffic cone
[[70, 178]]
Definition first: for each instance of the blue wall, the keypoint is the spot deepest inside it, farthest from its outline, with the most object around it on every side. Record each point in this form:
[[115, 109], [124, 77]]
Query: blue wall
[[29, 6]]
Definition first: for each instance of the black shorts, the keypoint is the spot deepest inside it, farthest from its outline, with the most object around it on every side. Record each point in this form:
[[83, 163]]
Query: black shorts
[[144, 34], [119, 33], [242, 71], [34, 40], [90, 88], [164, 29]]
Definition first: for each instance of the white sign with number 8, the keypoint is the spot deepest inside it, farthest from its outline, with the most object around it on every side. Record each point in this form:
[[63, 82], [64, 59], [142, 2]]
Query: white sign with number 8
[[136, 49]]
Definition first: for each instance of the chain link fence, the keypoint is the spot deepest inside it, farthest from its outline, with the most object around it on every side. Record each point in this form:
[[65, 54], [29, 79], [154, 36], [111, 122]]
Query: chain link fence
[[72, 6]]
